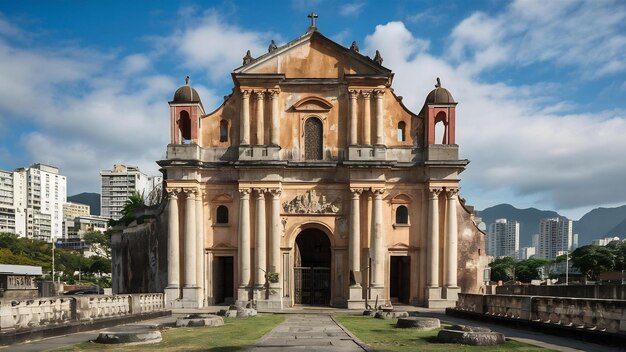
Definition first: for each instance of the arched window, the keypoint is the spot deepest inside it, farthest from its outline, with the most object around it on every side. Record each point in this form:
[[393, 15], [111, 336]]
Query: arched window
[[223, 131], [441, 129], [184, 125], [402, 215], [401, 131], [222, 215], [313, 139]]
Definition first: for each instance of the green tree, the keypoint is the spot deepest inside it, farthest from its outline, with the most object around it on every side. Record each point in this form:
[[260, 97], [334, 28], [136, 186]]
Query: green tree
[[135, 201], [502, 269], [98, 243], [592, 260], [619, 251], [527, 270]]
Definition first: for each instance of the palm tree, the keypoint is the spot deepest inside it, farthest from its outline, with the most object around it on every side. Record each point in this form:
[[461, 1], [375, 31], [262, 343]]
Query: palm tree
[[133, 202]]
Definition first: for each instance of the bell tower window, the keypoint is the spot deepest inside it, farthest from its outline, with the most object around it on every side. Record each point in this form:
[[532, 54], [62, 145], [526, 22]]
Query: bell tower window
[[184, 126], [313, 139]]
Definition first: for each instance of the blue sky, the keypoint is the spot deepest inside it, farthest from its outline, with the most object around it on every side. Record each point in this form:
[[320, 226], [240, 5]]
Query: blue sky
[[541, 85]]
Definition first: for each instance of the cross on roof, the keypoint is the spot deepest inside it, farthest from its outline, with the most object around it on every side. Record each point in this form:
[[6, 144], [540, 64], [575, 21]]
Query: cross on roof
[[312, 16]]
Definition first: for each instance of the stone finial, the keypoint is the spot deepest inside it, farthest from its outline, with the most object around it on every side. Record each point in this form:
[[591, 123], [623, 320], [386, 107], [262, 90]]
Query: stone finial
[[438, 84], [248, 58], [378, 58], [272, 46], [187, 80], [354, 47]]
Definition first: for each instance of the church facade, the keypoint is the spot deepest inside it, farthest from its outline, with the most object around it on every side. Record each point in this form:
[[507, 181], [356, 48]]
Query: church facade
[[313, 184]]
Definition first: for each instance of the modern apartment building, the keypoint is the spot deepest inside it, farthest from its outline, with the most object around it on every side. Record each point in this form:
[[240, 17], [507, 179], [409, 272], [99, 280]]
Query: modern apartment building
[[31, 202], [502, 238], [117, 184], [555, 237]]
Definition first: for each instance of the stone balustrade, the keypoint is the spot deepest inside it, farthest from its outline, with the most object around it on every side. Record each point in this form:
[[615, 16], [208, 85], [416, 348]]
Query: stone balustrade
[[583, 313], [48, 311]]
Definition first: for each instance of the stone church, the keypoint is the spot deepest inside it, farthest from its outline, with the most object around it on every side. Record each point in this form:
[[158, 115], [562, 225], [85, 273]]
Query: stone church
[[312, 184]]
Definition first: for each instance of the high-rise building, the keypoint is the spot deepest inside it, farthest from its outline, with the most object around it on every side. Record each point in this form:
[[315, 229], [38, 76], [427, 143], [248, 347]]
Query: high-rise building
[[502, 238], [31, 202], [525, 253], [555, 237], [119, 183]]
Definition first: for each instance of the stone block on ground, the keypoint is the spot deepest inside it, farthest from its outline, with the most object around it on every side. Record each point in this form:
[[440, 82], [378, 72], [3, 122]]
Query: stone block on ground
[[200, 320], [470, 338], [246, 312], [369, 312], [469, 328], [418, 323], [134, 336], [390, 315]]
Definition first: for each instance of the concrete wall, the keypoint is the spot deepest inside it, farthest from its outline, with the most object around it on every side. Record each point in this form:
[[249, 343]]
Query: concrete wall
[[579, 291], [583, 313]]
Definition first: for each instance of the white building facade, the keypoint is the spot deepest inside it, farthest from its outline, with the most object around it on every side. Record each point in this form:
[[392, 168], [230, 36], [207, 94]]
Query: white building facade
[[502, 238], [119, 183], [555, 237], [31, 202]]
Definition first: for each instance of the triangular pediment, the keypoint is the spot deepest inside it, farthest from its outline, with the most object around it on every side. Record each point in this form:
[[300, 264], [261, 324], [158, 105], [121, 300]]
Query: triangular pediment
[[313, 56]]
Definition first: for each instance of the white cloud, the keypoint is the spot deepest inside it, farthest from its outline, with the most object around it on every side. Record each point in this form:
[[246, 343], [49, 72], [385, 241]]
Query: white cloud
[[589, 36], [135, 63], [351, 9], [216, 46], [514, 140]]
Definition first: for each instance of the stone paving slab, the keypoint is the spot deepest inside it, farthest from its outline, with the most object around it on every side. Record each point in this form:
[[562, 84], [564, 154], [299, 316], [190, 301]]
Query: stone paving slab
[[310, 333]]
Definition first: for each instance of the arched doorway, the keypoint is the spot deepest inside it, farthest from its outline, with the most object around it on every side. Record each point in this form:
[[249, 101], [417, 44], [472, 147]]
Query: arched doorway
[[312, 268]]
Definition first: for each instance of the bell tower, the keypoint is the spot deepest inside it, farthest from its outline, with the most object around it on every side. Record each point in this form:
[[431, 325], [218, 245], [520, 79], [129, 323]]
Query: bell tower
[[439, 110], [186, 111]]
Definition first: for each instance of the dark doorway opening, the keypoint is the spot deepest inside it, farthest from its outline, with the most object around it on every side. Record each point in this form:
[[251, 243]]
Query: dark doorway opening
[[399, 279], [223, 285], [312, 268]]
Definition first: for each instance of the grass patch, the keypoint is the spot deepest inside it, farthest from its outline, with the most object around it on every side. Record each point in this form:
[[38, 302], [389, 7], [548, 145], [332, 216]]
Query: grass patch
[[382, 335], [234, 335]]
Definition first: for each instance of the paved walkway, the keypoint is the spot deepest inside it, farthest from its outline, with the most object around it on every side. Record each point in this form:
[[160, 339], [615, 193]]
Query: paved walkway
[[309, 333]]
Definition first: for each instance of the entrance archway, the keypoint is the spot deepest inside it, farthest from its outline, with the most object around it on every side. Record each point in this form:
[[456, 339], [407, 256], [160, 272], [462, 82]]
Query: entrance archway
[[312, 268]]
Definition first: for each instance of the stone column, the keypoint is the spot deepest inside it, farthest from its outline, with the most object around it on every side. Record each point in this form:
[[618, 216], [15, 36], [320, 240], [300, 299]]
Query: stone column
[[190, 239], [355, 236], [199, 242], [367, 118], [244, 127], [432, 277], [275, 136], [260, 262], [260, 99], [243, 246], [173, 243], [379, 116], [354, 255], [452, 289], [352, 136], [378, 245], [275, 229]]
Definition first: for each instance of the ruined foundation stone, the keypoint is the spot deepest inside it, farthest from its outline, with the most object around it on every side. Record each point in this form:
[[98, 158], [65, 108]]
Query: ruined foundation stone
[[390, 315], [200, 320], [471, 335], [418, 323]]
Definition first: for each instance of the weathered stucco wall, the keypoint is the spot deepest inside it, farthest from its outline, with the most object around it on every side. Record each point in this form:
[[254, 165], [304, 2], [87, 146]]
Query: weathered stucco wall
[[139, 256]]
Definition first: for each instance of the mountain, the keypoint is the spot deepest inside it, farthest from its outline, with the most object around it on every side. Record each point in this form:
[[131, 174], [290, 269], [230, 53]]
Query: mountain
[[598, 223], [91, 199], [528, 219]]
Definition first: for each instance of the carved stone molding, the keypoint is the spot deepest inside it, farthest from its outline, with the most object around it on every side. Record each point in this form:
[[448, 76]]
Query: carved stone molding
[[366, 94], [245, 93], [244, 192], [353, 93], [379, 93], [452, 192], [378, 191], [260, 94], [273, 93], [275, 192], [260, 192], [434, 192], [310, 203], [356, 192]]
